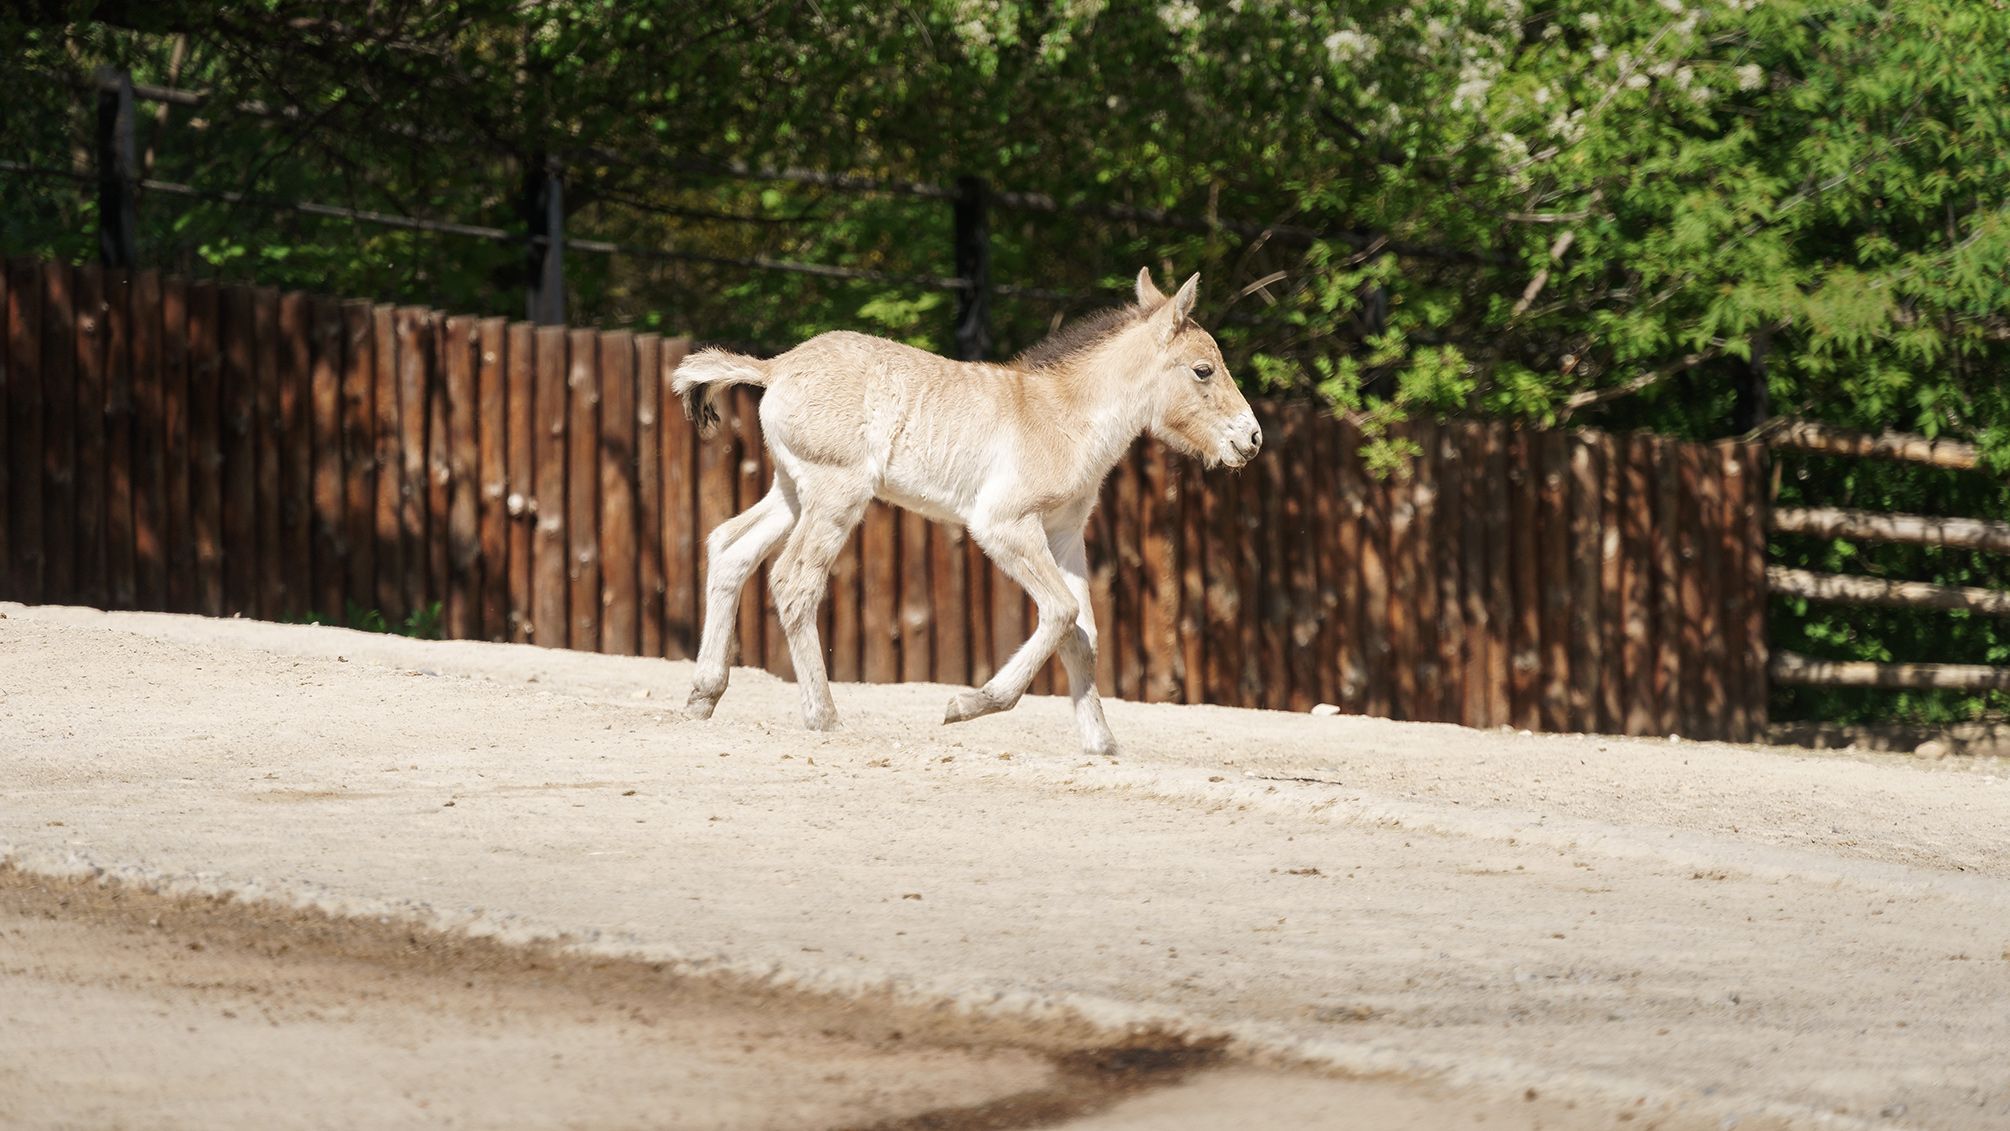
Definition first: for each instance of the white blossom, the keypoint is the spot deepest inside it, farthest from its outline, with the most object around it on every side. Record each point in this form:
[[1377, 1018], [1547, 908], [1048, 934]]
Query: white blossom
[[1350, 46], [1751, 77], [1179, 15]]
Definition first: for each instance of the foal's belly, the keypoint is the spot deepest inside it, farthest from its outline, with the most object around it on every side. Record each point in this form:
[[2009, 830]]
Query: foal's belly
[[928, 505]]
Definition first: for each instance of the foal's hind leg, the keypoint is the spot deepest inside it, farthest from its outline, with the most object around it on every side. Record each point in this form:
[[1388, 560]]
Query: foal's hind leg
[[1078, 647], [1020, 549], [736, 548], [800, 576]]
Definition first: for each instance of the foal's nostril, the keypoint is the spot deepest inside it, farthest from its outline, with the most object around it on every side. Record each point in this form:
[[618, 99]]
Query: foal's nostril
[[1256, 439]]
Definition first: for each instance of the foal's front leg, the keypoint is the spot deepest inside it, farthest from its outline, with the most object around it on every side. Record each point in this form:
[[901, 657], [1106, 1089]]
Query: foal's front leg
[[1078, 647], [1020, 549]]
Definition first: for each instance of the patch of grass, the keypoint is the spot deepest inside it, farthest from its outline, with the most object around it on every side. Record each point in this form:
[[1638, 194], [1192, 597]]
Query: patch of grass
[[420, 624]]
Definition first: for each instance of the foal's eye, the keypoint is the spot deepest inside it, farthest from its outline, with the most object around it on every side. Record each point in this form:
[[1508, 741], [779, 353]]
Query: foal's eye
[[1202, 370]]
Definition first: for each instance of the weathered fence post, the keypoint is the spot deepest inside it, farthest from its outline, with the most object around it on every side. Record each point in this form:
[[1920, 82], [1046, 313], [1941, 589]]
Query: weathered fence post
[[544, 217], [973, 268], [117, 170]]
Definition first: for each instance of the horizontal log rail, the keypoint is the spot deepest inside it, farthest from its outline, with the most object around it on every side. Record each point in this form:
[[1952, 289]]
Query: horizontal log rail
[[1826, 439], [1848, 589], [1876, 526], [1793, 668]]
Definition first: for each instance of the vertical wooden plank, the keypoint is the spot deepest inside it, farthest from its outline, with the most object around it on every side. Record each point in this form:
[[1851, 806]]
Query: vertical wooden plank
[[1377, 660], [455, 460], [521, 405], [1192, 557], [620, 526], [1552, 540], [845, 639], [1100, 540], [1587, 612], [1524, 483], [1636, 584], [1405, 656], [1711, 705], [330, 526], [1614, 682], [360, 448], [7, 449], [296, 456], [648, 492], [59, 435], [682, 539], [1159, 533], [87, 417], [120, 575], [947, 598], [717, 475], [415, 365], [1731, 574], [551, 588], [25, 433], [1254, 620], [149, 474], [269, 574], [439, 471], [1352, 661], [1421, 564], [1129, 582], [977, 613], [1477, 564], [582, 490], [1008, 616], [1693, 719], [240, 455], [1667, 587], [177, 499], [1449, 550], [387, 340], [879, 595], [1758, 504], [1500, 578], [205, 446], [750, 484], [916, 635]]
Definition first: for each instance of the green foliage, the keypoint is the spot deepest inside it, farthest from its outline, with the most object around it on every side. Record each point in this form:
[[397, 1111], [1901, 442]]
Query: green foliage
[[1518, 205], [421, 624]]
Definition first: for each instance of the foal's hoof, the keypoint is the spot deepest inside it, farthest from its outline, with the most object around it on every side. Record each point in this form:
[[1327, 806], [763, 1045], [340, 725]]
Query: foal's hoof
[[972, 704], [824, 723], [1104, 747], [700, 706]]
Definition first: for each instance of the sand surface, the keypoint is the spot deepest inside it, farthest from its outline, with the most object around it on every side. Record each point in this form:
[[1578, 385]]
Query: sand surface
[[484, 885]]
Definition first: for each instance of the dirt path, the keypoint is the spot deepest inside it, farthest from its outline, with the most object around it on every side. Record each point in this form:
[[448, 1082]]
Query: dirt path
[[1681, 934]]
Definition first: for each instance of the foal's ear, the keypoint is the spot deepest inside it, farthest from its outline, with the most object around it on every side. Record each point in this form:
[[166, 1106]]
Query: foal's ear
[[1148, 292], [1182, 302]]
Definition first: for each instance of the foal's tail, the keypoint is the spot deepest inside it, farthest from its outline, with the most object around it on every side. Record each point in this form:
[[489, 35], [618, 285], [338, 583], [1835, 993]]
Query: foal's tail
[[699, 372]]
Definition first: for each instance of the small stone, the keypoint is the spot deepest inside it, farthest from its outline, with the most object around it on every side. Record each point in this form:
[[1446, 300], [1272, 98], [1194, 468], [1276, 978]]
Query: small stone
[[1931, 748], [1325, 709]]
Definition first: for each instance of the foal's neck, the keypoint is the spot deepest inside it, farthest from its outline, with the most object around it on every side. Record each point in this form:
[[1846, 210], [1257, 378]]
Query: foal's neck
[[1113, 400]]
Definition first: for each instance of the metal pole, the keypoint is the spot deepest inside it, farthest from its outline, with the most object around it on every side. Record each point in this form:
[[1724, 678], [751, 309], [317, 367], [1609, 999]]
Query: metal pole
[[973, 269], [544, 217], [118, 214]]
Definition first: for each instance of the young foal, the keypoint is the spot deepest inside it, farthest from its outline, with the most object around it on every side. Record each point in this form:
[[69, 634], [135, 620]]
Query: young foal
[[1014, 452]]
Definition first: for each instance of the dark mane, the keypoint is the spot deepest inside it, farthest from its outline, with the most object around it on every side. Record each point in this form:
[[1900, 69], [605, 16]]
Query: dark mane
[[1080, 336]]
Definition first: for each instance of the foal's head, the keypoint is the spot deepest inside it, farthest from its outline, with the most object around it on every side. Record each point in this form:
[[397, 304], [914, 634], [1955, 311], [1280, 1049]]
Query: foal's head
[[1199, 410]]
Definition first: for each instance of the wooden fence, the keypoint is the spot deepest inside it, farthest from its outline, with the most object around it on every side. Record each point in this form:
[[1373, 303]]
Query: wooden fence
[[233, 451]]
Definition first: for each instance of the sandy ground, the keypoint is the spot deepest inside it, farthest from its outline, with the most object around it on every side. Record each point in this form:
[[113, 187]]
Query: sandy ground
[[481, 885]]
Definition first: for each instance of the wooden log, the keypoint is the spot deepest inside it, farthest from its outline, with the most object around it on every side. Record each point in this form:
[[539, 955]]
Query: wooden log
[[440, 532], [1224, 592], [205, 447], [87, 408], [460, 593], [1637, 574], [1692, 716], [1351, 663], [1757, 646], [1008, 610], [1731, 571], [649, 492], [1846, 589], [620, 525], [1827, 439], [1712, 706], [521, 406], [682, 537], [1422, 567], [296, 454], [1872, 526], [916, 629], [582, 490], [1448, 548], [1795, 669], [1378, 657], [751, 481], [1159, 532], [717, 474], [269, 573], [1193, 583], [1499, 576], [1100, 537], [1477, 563], [1587, 454], [416, 349], [7, 451], [360, 449], [1525, 664], [240, 455], [948, 623], [844, 642], [492, 473], [387, 339], [25, 454], [1554, 546], [149, 450], [330, 521], [120, 575], [1128, 637], [1404, 655], [1669, 617], [879, 595], [977, 576], [1615, 458], [550, 588], [59, 434]]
